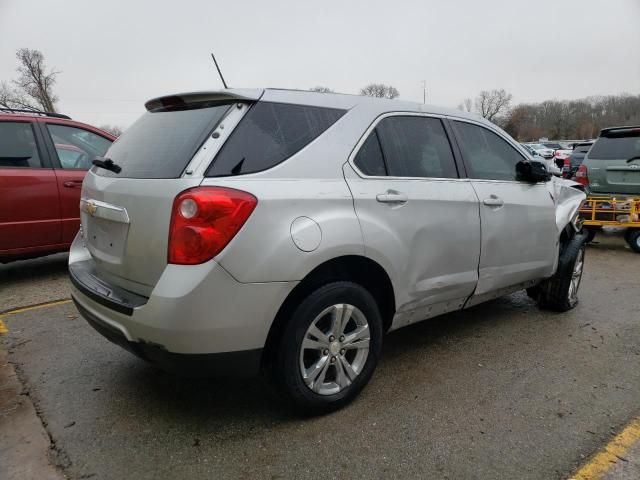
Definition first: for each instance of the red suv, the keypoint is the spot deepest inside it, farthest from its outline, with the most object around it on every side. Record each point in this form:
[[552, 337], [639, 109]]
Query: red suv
[[43, 160]]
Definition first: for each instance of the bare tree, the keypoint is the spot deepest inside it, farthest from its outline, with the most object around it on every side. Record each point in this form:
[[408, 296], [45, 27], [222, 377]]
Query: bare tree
[[112, 129], [466, 105], [320, 89], [33, 89], [380, 90], [491, 104]]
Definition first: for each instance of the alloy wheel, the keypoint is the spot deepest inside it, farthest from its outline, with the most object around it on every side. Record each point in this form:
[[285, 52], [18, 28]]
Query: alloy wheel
[[334, 349]]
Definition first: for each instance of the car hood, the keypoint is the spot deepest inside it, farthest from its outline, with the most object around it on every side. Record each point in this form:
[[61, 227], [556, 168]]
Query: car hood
[[567, 196]]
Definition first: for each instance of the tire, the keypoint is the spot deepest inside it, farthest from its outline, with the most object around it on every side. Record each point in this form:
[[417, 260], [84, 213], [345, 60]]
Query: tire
[[335, 385], [560, 292], [632, 236], [591, 233]]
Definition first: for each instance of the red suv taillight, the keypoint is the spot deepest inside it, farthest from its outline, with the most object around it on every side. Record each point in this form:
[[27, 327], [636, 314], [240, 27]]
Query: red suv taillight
[[582, 176], [204, 220], [567, 162]]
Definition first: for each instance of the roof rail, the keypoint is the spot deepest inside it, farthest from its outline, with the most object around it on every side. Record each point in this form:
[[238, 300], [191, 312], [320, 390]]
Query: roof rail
[[35, 112]]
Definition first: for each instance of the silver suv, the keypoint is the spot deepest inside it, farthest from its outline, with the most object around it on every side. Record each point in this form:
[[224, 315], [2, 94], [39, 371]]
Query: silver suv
[[233, 231]]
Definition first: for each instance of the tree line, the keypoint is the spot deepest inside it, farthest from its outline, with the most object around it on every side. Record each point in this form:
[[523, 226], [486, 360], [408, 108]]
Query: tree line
[[555, 119]]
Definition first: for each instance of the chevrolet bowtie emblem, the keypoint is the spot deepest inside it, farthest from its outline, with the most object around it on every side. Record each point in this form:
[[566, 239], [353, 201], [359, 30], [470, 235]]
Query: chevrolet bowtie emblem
[[91, 208]]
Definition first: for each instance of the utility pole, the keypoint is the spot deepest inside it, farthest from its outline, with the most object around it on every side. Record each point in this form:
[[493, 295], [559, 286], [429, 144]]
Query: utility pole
[[424, 91]]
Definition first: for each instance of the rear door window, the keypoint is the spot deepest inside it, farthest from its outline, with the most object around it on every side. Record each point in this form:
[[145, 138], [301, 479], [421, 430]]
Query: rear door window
[[161, 143], [76, 147], [269, 134], [416, 146], [486, 155], [18, 147], [616, 147], [369, 159]]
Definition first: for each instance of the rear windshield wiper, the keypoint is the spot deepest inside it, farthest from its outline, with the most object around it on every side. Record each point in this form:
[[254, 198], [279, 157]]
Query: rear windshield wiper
[[637, 157], [107, 164]]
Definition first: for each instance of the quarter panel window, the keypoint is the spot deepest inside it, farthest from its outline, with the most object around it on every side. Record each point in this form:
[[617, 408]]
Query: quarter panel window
[[486, 155], [76, 147], [369, 158], [18, 148], [269, 134], [416, 147]]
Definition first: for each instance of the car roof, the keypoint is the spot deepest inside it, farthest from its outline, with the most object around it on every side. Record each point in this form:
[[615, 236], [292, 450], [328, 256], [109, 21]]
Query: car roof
[[57, 119], [319, 99]]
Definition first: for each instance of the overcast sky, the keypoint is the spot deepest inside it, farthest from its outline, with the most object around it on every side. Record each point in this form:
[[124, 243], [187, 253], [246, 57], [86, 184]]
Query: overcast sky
[[114, 55]]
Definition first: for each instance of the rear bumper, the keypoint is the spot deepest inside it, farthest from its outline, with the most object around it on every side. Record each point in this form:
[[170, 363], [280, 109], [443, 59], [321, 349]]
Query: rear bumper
[[227, 364], [195, 315]]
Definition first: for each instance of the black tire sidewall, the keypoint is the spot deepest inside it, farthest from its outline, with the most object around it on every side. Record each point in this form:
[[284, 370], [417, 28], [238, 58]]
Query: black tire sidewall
[[287, 365], [555, 291], [632, 236]]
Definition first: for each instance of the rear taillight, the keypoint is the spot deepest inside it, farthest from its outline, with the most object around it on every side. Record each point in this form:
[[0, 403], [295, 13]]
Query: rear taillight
[[567, 162], [204, 220], [582, 176]]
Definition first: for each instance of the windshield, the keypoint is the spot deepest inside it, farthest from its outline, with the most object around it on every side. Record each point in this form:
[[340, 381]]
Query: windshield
[[615, 148], [161, 143]]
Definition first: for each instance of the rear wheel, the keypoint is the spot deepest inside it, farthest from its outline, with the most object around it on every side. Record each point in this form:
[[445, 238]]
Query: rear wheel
[[329, 348], [632, 236], [560, 292]]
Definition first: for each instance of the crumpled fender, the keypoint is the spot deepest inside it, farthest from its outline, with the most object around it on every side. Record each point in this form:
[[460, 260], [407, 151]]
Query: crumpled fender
[[567, 199]]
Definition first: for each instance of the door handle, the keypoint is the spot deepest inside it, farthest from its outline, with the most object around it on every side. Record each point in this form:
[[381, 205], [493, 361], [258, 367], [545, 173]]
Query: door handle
[[391, 196], [73, 183], [493, 201]]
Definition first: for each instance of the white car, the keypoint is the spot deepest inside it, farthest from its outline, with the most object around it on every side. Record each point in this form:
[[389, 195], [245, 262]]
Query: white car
[[542, 150], [549, 162]]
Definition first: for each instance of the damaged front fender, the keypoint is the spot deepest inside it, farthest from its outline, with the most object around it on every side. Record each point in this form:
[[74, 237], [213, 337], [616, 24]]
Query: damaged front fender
[[567, 197]]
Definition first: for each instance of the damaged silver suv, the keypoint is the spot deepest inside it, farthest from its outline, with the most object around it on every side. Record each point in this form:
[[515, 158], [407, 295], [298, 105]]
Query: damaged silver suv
[[233, 231]]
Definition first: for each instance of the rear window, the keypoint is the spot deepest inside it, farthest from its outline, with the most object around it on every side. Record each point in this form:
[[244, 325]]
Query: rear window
[[269, 134], [616, 148], [161, 143], [581, 148]]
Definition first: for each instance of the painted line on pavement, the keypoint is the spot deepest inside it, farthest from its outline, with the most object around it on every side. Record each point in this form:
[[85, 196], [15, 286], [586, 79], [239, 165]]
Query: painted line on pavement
[[3, 315], [613, 452]]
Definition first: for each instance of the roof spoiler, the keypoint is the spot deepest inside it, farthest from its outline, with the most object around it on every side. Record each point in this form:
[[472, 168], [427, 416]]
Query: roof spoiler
[[629, 131], [183, 99]]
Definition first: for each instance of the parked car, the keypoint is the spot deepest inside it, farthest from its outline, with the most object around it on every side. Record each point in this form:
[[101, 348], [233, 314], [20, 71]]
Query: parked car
[[574, 160], [552, 145], [612, 165], [542, 150], [43, 160], [559, 156], [551, 165], [237, 230]]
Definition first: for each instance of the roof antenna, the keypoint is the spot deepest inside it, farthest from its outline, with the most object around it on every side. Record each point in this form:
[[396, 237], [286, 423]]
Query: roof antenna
[[219, 72]]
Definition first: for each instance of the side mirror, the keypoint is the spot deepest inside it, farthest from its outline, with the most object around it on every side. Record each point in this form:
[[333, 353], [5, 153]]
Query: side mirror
[[532, 171]]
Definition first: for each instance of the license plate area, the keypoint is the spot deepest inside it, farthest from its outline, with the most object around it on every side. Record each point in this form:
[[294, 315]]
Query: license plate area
[[106, 239]]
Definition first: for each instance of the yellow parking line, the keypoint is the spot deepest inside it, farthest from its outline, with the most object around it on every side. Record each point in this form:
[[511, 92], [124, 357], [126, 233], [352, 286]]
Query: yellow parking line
[[610, 454], [3, 327]]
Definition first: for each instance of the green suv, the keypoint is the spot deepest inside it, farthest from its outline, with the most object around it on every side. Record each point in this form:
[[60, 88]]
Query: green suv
[[612, 166]]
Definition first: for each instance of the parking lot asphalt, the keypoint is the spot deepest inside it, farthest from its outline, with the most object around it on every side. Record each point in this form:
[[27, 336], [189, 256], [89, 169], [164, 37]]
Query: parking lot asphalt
[[502, 390]]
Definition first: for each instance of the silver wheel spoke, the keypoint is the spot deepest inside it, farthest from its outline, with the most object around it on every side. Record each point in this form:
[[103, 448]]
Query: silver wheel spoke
[[358, 338], [313, 372], [343, 379], [317, 385], [351, 373], [340, 317], [310, 344], [316, 332]]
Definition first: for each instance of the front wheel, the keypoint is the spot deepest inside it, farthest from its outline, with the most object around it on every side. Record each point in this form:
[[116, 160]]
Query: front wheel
[[329, 348], [560, 292], [632, 236]]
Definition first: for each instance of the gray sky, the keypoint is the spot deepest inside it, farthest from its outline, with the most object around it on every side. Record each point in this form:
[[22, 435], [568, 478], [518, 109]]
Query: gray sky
[[114, 55]]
